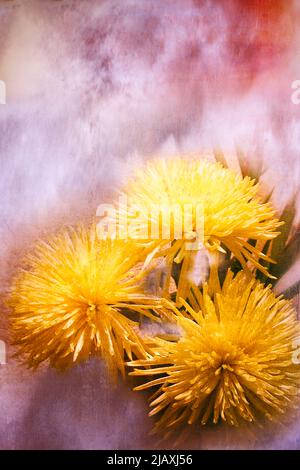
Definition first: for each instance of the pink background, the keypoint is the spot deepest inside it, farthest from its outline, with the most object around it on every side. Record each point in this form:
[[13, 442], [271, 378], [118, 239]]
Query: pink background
[[93, 88]]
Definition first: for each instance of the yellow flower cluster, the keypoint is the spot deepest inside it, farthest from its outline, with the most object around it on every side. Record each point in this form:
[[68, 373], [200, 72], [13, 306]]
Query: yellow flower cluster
[[224, 212], [72, 298], [77, 295], [233, 361]]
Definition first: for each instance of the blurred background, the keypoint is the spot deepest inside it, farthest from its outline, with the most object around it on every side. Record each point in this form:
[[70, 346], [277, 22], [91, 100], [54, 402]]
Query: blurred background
[[94, 88]]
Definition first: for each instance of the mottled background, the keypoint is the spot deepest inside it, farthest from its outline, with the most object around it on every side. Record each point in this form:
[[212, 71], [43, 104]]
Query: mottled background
[[93, 88]]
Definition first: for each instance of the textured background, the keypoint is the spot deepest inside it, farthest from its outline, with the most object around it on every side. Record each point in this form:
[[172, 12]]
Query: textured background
[[93, 88]]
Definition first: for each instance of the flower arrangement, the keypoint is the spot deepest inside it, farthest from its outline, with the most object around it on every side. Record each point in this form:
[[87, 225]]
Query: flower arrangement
[[233, 359], [70, 297]]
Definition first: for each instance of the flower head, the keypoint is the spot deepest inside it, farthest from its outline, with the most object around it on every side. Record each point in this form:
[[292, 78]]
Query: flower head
[[234, 361], [201, 201], [71, 299]]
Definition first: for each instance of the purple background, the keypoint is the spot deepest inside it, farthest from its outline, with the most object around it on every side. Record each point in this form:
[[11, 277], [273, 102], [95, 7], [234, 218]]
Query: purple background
[[93, 88]]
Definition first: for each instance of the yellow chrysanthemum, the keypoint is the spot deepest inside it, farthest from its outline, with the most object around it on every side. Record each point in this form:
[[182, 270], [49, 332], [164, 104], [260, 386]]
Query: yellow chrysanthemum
[[235, 361], [71, 298], [203, 202]]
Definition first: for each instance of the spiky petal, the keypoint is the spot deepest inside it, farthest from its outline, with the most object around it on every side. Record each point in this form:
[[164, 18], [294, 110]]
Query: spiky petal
[[70, 300], [235, 361], [232, 211]]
